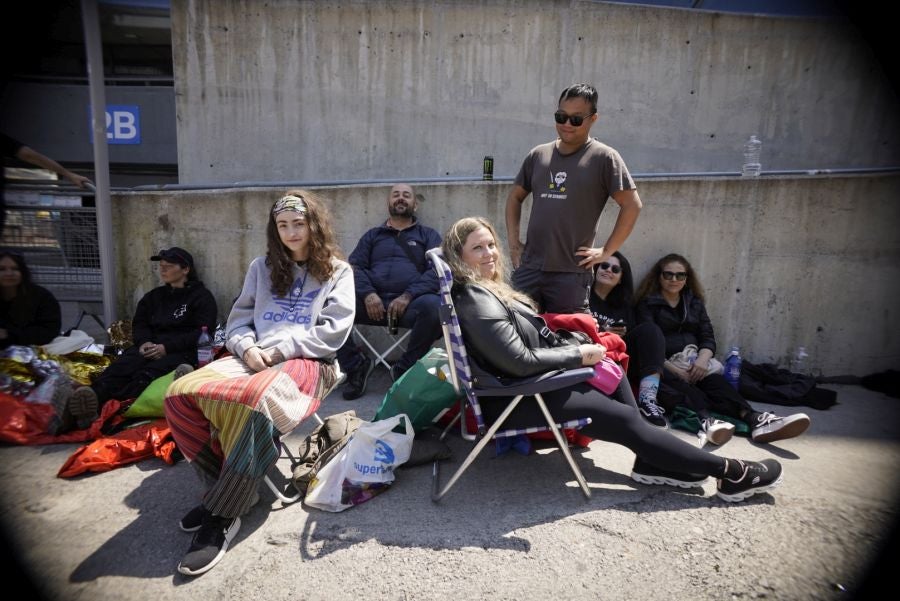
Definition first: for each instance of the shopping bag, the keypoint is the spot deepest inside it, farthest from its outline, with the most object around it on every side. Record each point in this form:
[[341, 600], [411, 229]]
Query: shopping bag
[[364, 467], [422, 393]]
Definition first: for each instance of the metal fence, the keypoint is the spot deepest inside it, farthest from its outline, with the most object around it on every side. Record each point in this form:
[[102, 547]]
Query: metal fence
[[58, 238]]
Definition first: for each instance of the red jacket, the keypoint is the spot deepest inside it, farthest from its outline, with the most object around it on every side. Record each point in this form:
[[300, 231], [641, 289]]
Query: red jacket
[[582, 322]]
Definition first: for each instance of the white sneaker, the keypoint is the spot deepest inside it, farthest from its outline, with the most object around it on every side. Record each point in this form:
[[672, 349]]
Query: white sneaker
[[717, 432], [769, 427]]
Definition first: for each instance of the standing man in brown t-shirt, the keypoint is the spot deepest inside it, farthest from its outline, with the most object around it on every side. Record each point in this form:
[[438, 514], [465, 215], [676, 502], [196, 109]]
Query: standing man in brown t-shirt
[[570, 180]]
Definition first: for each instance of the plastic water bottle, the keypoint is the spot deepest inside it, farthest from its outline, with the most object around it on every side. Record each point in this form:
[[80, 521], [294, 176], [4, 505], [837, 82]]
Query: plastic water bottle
[[799, 361], [752, 166], [733, 367], [204, 348]]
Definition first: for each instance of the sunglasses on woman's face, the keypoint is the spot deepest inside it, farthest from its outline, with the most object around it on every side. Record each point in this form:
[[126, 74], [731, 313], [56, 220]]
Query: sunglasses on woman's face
[[610, 267], [679, 276]]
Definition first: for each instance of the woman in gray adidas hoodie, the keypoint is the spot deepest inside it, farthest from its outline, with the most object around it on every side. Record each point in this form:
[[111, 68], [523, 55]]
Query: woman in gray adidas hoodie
[[295, 310]]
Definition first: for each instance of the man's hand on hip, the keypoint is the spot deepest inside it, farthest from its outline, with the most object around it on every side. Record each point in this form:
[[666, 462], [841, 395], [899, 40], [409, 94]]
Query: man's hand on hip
[[374, 307], [591, 256]]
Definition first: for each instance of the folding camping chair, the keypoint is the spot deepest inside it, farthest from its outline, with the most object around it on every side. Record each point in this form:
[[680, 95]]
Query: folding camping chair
[[279, 493], [470, 391], [395, 340]]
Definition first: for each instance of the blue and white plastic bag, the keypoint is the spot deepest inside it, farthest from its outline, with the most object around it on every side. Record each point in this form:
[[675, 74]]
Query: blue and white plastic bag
[[364, 467]]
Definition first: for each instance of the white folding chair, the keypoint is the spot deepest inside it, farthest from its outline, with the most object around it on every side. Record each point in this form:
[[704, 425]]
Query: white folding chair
[[394, 341], [285, 451]]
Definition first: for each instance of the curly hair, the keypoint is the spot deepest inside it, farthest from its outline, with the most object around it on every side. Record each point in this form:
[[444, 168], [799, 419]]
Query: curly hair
[[650, 284], [322, 245], [452, 247]]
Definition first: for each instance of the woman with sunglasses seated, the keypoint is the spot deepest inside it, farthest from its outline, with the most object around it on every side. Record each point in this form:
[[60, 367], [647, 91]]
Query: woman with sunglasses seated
[[611, 302], [503, 337], [671, 297]]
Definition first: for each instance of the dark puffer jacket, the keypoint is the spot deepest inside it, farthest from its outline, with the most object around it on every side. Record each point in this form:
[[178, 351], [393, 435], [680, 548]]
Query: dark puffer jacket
[[380, 264], [685, 324]]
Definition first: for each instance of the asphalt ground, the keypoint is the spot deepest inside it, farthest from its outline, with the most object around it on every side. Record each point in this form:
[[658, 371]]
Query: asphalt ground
[[514, 527]]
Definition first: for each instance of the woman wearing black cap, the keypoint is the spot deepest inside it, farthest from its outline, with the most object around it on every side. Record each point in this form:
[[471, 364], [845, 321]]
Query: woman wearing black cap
[[165, 328]]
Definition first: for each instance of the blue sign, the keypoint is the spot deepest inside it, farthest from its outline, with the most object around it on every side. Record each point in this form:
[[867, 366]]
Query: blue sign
[[123, 124]]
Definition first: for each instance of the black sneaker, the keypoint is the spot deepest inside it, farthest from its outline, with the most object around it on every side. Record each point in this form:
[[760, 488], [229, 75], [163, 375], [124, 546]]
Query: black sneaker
[[209, 544], [653, 413], [756, 477], [717, 431], [358, 379], [193, 519], [769, 427], [645, 473]]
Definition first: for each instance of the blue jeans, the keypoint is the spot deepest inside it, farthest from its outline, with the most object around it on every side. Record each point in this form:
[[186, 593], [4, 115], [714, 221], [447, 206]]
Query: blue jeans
[[421, 317]]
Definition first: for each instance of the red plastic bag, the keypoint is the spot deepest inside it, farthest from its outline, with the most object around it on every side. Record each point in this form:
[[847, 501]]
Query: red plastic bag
[[131, 445], [25, 423]]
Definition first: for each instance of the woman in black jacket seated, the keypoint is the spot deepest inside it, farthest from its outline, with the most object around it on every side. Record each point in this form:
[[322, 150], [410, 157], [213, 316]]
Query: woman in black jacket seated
[[165, 329], [502, 334], [611, 301], [29, 314], [671, 296]]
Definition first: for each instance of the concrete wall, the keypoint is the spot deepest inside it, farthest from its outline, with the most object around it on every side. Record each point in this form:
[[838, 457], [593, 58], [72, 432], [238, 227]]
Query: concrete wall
[[318, 91], [811, 261]]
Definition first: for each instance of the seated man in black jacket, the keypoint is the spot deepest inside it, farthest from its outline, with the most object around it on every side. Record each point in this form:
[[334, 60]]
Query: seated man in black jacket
[[393, 280]]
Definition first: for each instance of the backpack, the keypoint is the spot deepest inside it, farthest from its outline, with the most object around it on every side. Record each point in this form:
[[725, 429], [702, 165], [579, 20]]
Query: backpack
[[766, 383], [322, 444]]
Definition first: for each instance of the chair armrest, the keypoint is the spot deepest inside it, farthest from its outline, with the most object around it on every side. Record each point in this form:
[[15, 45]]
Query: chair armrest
[[554, 380]]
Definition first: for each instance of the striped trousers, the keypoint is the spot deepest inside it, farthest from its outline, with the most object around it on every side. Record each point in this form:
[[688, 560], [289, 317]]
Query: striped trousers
[[226, 419]]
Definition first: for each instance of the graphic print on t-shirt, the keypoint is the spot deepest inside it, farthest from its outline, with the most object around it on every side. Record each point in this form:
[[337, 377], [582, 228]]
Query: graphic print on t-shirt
[[558, 180]]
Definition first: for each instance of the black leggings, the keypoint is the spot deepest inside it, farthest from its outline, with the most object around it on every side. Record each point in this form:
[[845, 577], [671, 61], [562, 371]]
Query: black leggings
[[614, 420], [646, 351]]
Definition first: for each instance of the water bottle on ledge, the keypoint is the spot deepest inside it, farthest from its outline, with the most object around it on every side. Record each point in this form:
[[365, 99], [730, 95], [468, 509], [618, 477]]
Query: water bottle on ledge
[[733, 367], [799, 362], [752, 166]]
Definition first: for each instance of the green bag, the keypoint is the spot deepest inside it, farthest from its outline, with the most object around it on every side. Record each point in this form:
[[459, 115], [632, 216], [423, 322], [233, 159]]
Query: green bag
[[150, 402], [422, 393]]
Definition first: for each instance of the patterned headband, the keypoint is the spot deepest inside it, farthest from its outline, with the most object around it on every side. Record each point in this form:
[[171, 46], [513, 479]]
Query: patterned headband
[[290, 203]]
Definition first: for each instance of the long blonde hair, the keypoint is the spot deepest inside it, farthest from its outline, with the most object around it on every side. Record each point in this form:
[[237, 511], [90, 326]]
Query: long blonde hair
[[452, 247]]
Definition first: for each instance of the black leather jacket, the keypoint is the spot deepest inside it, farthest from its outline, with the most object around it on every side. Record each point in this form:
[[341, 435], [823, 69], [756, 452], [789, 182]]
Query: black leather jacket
[[685, 324], [506, 341]]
